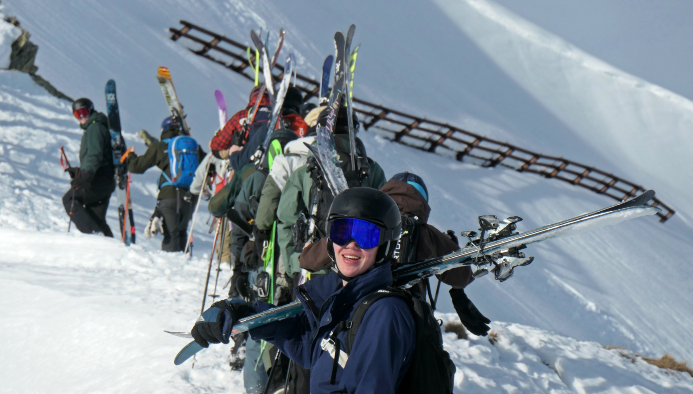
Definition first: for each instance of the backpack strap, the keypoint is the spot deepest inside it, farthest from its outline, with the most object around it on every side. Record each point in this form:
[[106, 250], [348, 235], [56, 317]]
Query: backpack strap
[[354, 322]]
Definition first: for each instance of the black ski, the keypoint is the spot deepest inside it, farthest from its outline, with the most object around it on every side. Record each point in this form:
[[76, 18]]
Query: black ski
[[121, 176]]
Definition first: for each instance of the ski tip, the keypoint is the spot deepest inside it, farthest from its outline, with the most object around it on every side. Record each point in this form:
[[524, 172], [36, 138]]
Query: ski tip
[[164, 72], [185, 353]]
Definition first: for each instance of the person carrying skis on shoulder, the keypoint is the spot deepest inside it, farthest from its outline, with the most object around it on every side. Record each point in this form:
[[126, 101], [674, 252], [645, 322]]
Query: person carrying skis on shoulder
[[177, 166], [235, 132], [93, 181], [419, 241], [295, 155], [362, 226]]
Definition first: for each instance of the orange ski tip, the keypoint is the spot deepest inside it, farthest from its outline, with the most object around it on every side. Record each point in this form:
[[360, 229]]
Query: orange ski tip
[[164, 72]]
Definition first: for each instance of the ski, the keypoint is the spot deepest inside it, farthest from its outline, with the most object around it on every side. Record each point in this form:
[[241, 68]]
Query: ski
[[325, 80], [347, 85], [494, 256], [221, 104], [279, 47], [352, 68], [276, 109], [121, 176], [174, 105], [328, 161]]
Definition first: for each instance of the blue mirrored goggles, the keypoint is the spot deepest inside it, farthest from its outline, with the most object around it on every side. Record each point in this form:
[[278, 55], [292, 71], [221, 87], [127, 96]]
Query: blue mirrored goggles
[[366, 234]]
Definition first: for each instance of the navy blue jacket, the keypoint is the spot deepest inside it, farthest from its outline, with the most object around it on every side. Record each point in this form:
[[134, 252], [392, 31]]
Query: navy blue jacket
[[382, 349], [239, 159]]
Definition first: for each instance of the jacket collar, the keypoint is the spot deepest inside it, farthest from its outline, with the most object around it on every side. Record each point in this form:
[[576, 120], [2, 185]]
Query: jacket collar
[[328, 290]]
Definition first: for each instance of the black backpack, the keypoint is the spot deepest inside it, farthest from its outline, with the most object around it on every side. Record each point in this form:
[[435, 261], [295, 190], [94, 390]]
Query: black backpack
[[320, 192], [431, 370], [406, 248]]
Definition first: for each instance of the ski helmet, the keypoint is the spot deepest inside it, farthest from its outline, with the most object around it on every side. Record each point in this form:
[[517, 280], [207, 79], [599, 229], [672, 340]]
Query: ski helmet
[[82, 107], [367, 216], [169, 123], [413, 180], [341, 125], [293, 99]]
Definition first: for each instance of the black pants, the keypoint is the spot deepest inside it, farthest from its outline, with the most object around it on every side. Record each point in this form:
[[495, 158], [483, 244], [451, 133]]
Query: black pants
[[176, 213], [88, 211]]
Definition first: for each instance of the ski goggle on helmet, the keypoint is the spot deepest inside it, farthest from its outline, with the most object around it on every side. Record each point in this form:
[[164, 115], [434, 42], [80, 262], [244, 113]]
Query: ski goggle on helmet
[[367, 216], [82, 107], [366, 234]]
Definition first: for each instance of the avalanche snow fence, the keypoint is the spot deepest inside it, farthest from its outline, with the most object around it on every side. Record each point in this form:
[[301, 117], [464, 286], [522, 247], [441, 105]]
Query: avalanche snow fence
[[426, 134]]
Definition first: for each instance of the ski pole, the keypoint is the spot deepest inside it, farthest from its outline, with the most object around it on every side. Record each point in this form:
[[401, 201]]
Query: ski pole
[[222, 238], [72, 209], [125, 216], [65, 164], [209, 268], [269, 378], [63, 159]]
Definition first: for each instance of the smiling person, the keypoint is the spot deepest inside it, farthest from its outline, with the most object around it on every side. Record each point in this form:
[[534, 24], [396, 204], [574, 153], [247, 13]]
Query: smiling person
[[93, 181], [363, 226]]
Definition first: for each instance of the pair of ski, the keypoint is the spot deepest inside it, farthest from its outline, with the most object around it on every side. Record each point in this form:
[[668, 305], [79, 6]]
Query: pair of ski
[[487, 256], [122, 176]]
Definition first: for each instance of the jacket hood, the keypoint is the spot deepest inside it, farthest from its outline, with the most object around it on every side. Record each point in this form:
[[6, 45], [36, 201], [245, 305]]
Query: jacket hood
[[409, 200], [298, 148], [95, 117]]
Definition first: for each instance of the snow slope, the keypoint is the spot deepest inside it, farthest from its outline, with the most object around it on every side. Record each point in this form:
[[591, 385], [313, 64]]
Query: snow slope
[[109, 304], [626, 286]]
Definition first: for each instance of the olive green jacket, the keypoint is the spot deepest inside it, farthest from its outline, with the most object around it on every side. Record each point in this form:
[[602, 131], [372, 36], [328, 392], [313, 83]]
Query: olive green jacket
[[96, 154], [295, 199], [157, 155]]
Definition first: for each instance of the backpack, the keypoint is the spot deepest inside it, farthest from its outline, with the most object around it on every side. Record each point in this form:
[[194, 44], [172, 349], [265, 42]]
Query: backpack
[[406, 248], [262, 117], [320, 193], [183, 161], [431, 369]]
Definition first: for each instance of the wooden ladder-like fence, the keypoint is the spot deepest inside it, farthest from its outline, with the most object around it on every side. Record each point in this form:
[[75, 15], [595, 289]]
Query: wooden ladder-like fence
[[424, 134]]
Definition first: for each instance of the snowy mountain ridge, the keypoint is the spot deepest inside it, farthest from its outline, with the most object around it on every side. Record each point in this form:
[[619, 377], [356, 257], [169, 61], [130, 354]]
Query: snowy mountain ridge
[[109, 304]]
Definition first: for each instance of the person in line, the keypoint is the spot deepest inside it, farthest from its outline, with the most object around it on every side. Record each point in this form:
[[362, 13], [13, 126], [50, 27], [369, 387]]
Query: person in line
[[176, 212], [363, 226], [93, 181]]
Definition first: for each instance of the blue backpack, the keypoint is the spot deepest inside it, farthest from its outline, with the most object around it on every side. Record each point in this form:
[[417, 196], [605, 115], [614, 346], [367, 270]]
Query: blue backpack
[[182, 160]]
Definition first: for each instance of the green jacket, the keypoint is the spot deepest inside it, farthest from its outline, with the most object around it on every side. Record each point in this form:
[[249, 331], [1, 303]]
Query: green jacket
[[157, 155], [224, 199], [267, 210], [296, 199], [246, 205], [96, 154]]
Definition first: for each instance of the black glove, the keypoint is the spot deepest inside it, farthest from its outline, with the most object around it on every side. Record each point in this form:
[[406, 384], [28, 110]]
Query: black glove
[[72, 171], [216, 323], [188, 196], [472, 319], [453, 237], [82, 180]]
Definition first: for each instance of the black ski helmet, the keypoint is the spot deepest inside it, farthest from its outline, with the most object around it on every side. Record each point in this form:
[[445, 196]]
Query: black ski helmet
[[414, 180], [293, 99], [82, 103], [373, 206]]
